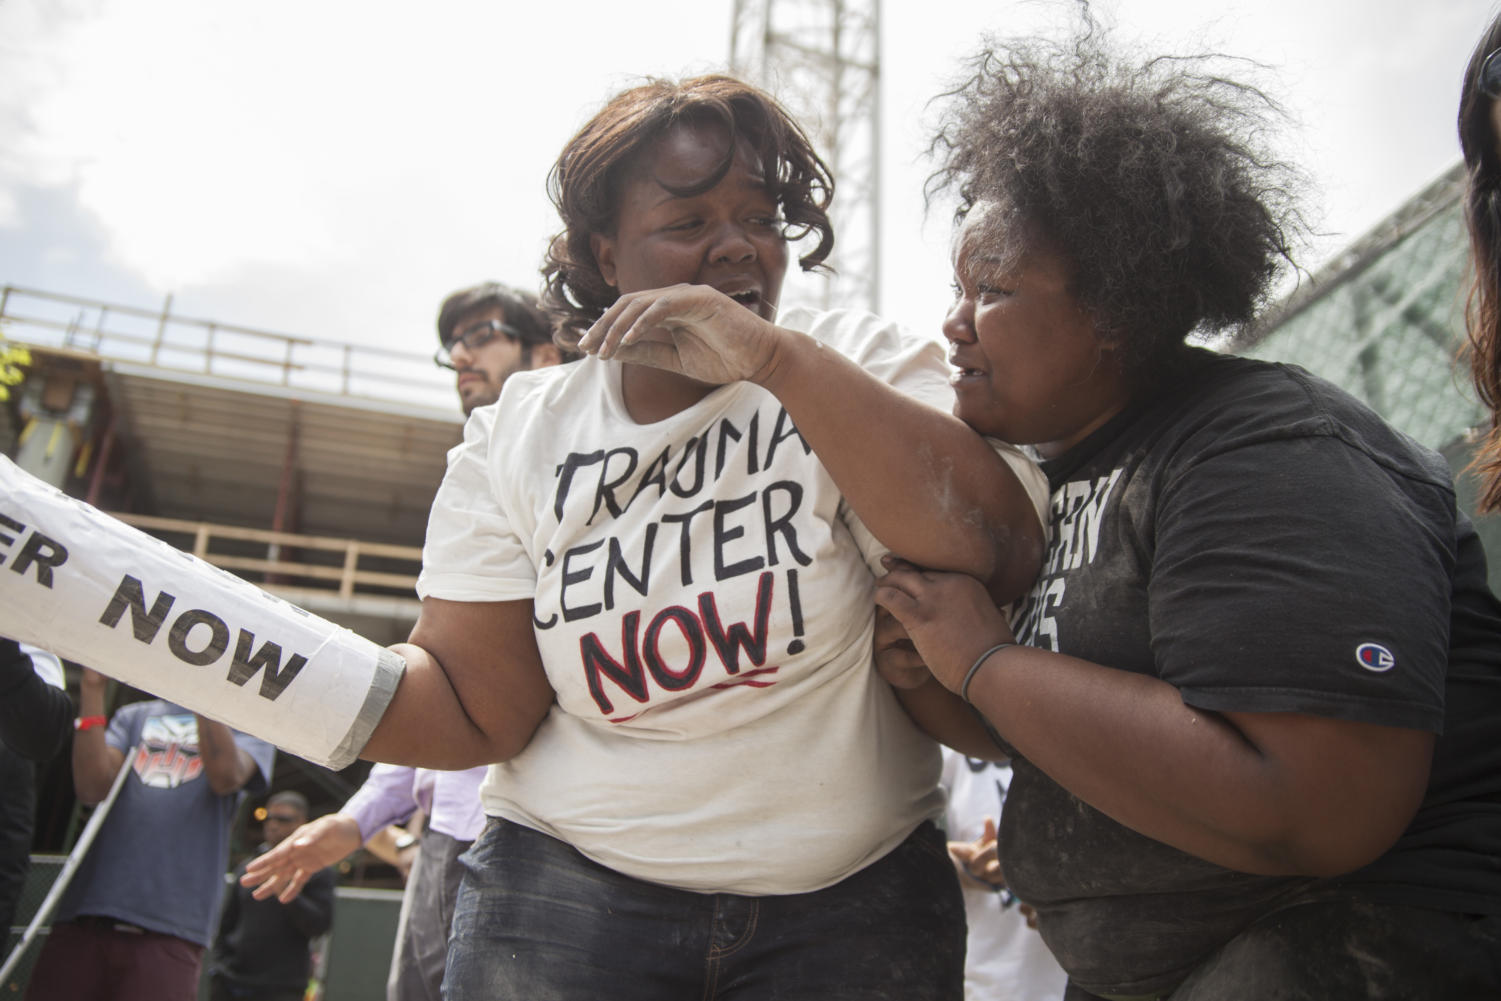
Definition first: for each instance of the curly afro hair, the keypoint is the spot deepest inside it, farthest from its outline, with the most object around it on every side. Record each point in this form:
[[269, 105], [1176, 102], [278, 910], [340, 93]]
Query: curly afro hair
[[1150, 178]]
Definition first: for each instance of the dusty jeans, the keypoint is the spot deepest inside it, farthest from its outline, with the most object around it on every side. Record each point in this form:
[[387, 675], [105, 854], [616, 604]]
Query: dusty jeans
[[537, 920]]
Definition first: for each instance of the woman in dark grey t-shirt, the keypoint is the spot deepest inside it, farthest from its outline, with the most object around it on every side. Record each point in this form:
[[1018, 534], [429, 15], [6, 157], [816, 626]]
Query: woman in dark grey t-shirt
[[1254, 697]]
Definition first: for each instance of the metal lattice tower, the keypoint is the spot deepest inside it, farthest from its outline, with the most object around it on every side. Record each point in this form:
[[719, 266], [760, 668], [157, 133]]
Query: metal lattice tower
[[822, 60]]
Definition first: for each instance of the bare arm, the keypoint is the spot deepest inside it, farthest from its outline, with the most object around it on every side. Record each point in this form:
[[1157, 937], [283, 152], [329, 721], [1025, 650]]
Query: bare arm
[[473, 693], [927, 486], [937, 711], [1269, 793], [474, 690], [947, 719], [95, 763], [226, 765]]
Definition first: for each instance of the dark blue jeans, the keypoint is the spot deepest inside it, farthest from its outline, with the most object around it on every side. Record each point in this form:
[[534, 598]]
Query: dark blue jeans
[[536, 921]]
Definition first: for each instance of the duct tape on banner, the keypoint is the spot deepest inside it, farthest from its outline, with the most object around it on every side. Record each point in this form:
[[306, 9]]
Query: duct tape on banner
[[94, 590]]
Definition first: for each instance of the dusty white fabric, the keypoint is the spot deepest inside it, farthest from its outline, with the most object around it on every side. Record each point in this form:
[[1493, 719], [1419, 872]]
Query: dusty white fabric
[[1006, 960], [727, 733]]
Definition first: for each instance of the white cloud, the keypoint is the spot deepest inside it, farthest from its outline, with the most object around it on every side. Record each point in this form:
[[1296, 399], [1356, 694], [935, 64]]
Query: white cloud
[[333, 169]]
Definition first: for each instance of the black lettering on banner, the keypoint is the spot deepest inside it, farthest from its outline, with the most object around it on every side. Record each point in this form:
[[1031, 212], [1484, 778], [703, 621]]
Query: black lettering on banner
[[48, 554], [14, 526], [268, 659], [651, 649], [177, 637], [130, 594], [145, 625]]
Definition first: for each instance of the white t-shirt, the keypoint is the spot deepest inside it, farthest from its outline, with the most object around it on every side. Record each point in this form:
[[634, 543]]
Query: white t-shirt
[[728, 733], [1006, 960], [45, 665]]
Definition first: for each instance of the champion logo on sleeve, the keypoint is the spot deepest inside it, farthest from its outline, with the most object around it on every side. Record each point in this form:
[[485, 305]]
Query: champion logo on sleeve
[[1375, 658]]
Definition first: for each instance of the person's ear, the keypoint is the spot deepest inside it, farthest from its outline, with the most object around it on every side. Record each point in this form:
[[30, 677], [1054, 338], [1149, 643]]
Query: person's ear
[[604, 255], [543, 355]]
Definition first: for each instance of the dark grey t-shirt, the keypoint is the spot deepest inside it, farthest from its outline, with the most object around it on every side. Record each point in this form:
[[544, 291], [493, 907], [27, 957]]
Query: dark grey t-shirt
[[160, 856], [1264, 542]]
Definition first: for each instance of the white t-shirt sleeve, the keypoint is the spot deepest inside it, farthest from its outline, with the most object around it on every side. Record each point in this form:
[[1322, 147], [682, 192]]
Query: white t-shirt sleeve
[[1033, 480], [472, 551], [45, 665]]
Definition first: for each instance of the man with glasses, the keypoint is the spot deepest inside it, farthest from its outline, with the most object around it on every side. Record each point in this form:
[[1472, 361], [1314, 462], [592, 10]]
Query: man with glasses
[[486, 334], [261, 953]]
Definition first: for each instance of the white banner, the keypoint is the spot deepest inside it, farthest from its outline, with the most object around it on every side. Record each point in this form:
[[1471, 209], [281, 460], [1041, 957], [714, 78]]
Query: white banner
[[91, 589]]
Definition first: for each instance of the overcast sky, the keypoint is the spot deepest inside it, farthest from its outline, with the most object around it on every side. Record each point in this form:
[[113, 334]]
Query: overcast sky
[[333, 169]]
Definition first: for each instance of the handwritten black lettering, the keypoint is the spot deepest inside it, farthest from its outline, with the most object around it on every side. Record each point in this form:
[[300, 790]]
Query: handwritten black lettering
[[674, 679], [641, 654], [577, 577]]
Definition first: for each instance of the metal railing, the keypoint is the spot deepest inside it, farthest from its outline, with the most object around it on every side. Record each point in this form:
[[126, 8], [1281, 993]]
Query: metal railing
[[344, 568], [163, 339]]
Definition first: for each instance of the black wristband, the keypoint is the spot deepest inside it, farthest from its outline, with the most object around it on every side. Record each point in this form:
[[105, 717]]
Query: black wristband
[[974, 669]]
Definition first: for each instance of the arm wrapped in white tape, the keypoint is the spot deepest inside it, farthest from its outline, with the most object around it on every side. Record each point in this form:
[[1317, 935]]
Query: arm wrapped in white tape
[[92, 589]]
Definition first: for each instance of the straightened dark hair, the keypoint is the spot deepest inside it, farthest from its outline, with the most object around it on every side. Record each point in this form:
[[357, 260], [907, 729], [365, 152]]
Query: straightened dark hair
[[589, 176], [1477, 140]]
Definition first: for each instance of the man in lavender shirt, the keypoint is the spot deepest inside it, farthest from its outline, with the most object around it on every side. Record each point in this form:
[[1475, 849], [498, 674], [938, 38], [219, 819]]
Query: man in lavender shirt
[[450, 801], [486, 333]]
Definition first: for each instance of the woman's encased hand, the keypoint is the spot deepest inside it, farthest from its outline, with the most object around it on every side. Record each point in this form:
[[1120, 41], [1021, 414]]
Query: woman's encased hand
[[949, 617], [897, 659], [690, 329]]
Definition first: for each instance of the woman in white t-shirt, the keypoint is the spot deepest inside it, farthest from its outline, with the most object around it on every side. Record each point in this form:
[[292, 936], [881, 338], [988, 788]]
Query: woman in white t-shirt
[[647, 592]]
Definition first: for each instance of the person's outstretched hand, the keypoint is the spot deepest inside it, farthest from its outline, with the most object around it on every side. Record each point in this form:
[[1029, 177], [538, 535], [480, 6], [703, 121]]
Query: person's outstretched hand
[[691, 329], [286, 868], [976, 860]]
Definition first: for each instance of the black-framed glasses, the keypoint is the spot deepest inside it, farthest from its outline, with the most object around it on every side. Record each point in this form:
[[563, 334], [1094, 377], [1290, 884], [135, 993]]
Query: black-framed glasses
[[1489, 81], [473, 337]]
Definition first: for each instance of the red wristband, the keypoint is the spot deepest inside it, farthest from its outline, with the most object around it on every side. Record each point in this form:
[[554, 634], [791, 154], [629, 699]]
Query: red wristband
[[89, 722]]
